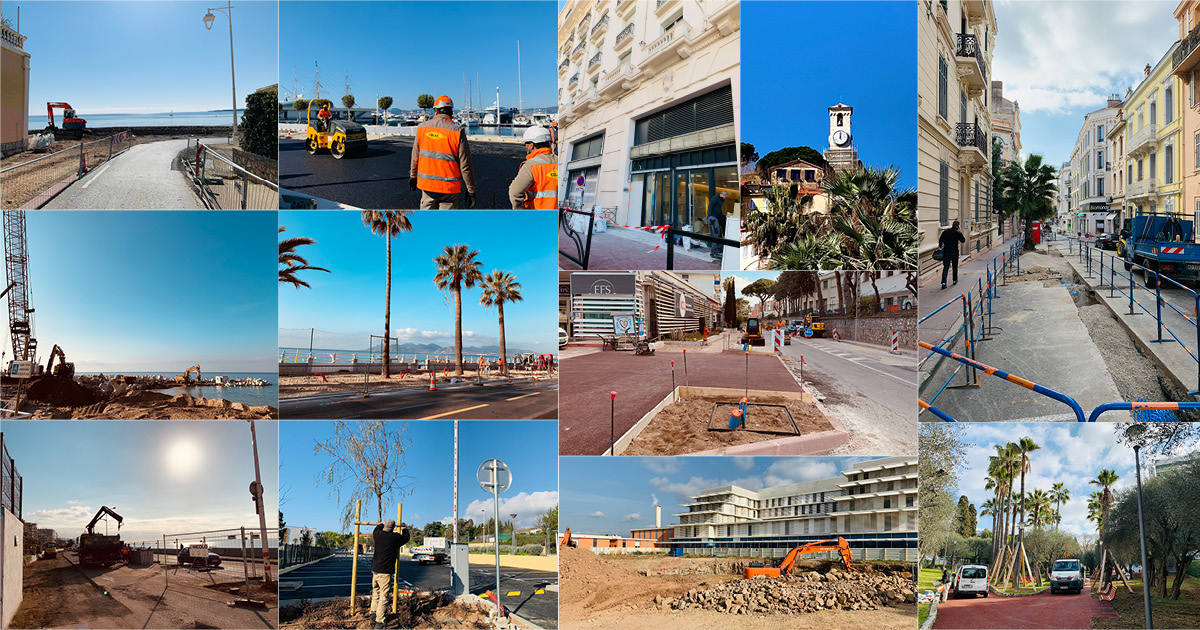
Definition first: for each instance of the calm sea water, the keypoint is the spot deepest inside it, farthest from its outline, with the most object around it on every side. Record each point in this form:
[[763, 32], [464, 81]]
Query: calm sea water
[[267, 395], [38, 122], [325, 355]]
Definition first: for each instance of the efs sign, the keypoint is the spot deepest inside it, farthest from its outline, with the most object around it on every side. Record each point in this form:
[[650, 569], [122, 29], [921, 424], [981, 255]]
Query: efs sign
[[602, 284]]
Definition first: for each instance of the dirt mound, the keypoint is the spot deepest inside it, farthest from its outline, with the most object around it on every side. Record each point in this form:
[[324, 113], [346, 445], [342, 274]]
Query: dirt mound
[[419, 610], [589, 584], [804, 592], [61, 392]]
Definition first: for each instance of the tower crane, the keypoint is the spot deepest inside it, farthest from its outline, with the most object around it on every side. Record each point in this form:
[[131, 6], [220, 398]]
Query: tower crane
[[16, 272]]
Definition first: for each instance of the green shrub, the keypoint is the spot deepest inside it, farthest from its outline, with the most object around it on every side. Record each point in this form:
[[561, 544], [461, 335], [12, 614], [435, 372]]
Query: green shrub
[[530, 550], [257, 132]]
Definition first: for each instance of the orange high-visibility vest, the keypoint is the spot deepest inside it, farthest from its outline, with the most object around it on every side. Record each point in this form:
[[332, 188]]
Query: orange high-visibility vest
[[437, 159], [544, 194]]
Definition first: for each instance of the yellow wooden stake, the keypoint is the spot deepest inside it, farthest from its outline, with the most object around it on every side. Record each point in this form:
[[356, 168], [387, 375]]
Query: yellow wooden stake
[[354, 565], [396, 572]]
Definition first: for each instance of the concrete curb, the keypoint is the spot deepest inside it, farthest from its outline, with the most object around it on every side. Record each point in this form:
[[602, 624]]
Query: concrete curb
[[929, 621]]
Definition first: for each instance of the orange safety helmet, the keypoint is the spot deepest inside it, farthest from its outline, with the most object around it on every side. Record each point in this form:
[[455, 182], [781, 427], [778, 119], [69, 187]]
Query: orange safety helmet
[[443, 101]]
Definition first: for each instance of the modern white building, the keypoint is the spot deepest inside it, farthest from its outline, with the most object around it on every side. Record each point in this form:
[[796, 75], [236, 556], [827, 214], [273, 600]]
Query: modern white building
[[1091, 170], [648, 109], [893, 292], [873, 505], [642, 303]]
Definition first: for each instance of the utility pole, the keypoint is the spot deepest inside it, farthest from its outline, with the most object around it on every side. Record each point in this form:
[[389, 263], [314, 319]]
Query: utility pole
[[317, 78]]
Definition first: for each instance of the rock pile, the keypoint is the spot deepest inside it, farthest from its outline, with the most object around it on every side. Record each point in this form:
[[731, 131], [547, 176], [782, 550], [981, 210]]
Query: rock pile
[[801, 592]]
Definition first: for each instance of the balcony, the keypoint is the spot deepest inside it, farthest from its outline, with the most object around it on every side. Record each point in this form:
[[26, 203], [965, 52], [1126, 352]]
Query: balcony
[[619, 80], [669, 47], [1187, 56], [577, 53], [976, 11], [573, 82], [566, 113], [562, 67], [12, 38], [971, 67], [1143, 142], [1146, 188], [591, 100], [624, 38], [973, 141], [661, 7], [623, 7], [600, 27], [583, 24], [593, 64], [566, 46]]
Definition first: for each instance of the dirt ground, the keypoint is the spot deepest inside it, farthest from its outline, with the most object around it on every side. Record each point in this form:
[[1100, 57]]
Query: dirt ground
[[144, 405], [57, 595], [682, 427], [421, 610], [620, 593], [308, 385]]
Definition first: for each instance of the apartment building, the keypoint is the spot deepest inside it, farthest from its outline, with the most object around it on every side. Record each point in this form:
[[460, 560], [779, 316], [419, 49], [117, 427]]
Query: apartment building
[[955, 43], [893, 292], [1091, 169], [14, 91], [1154, 139], [1185, 65], [648, 109], [873, 505], [1006, 128], [1065, 204], [1116, 175]]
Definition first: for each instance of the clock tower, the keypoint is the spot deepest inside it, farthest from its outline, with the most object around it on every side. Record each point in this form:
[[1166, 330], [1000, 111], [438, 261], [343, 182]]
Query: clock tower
[[841, 154]]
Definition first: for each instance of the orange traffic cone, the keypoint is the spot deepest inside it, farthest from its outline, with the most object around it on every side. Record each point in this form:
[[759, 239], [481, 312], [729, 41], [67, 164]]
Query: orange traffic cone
[[432, 384]]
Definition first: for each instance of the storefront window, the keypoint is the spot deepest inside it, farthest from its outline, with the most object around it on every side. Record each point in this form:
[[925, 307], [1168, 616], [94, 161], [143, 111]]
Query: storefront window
[[583, 196]]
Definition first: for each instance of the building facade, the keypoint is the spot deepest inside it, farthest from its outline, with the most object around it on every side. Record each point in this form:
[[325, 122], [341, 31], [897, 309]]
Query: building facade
[[1006, 128], [1065, 204], [1185, 65], [14, 91], [955, 42], [873, 505], [648, 110], [649, 304], [1091, 170], [1154, 140], [1116, 175]]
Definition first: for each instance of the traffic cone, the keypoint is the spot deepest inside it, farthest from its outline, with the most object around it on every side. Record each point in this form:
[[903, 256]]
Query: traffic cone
[[432, 384], [535, 379], [83, 163]]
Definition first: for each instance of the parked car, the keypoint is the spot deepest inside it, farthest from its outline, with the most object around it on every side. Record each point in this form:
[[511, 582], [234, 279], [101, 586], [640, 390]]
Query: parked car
[[1066, 575], [562, 337], [212, 561], [1106, 241], [970, 579]]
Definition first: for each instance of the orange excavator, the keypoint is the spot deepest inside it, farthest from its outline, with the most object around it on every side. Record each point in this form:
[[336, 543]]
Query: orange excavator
[[789, 561], [187, 376], [72, 125], [566, 540]]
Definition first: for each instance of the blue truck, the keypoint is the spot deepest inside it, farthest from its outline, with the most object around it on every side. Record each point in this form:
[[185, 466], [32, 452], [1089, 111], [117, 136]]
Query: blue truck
[[1165, 243]]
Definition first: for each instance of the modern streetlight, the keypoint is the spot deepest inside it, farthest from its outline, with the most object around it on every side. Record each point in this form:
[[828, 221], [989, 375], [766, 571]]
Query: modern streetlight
[[514, 533], [1134, 435], [209, 18]]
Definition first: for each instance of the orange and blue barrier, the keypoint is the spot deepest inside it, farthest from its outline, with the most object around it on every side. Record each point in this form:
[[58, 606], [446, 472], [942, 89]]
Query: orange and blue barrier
[[1143, 406], [934, 410]]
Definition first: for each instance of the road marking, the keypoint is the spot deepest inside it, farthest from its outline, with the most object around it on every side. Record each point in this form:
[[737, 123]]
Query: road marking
[[520, 397], [867, 367], [539, 592], [451, 413], [95, 177], [513, 594]]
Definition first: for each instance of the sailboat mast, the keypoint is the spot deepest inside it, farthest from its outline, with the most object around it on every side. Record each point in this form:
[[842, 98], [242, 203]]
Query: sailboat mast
[[520, 101]]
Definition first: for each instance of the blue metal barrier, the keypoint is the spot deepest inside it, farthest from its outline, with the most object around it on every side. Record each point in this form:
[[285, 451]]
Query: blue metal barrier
[[933, 410], [1142, 406]]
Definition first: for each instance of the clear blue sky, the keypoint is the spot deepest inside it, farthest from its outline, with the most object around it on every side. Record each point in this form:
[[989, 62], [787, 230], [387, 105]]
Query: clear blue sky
[[140, 57], [162, 477], [529, 447], [403, 49], [154, 291], [612, 495], [350, 299], [800, 58]]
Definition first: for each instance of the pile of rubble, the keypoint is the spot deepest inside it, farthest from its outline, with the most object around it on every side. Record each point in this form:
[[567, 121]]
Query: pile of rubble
[[801, 592]]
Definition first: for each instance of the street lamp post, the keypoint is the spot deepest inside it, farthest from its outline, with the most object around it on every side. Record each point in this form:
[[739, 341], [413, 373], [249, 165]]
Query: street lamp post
[[514, 534], [209, 18], [1134, 435]]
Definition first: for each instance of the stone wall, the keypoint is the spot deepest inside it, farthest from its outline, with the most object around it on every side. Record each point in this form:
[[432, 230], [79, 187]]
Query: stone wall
[[263, 167], [876, 329]]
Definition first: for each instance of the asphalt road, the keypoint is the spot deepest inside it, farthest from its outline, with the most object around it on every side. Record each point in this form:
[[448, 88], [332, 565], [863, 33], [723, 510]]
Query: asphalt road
[[379, 179], [1059, 611], [521, 400], [139, 179], [870, 392], [518, 587]]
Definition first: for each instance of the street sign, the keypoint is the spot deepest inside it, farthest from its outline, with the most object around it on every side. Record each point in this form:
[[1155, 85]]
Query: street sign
[[198, 550], [808, 332], [503, 478], [579, 181], [20, 369]]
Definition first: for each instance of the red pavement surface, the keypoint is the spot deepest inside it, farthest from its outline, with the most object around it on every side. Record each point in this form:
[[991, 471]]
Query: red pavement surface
[[1059, 611], [610, 251], [641, 383]]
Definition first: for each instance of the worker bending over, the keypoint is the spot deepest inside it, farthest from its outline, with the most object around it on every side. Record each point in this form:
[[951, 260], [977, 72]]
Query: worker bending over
[[536, 185], [441, 160]]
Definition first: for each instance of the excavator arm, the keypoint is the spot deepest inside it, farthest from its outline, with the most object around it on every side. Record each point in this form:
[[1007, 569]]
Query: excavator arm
[[101, 513], [842, 547], [566, 540], [65, 369], [195, 368]]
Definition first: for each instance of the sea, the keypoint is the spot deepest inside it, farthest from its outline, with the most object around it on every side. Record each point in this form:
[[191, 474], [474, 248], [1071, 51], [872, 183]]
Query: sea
[[266, 395], [166, 119], [325, 355]]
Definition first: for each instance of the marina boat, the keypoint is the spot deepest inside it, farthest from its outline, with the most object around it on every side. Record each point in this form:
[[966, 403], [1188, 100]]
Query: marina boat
[[541, 119]]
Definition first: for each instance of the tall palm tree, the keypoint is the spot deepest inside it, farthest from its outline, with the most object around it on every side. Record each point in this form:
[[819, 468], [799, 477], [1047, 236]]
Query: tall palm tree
[[456, 269], [1104, 500], [1039, 508], [388, 224], [500, 287], [1061, 494], [1024, 447], [290, 262], [877, 222], [1029, 190]]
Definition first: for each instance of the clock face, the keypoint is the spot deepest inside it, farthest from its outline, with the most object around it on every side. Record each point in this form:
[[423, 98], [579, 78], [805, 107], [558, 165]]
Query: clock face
[[840, 137]]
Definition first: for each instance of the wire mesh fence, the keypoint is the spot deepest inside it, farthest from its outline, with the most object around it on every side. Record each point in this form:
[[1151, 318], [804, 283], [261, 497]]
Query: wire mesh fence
[[10, 481], [214, 556], [294, 554], [224, 185], [32, 183]]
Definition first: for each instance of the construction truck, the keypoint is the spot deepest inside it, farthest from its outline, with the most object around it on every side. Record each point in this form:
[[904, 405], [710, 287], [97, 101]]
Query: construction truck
[[187, 374], [1162, 242], [789, 561], [64, 369], [431, 550], [72, 125], [753, 334], [100, 549]]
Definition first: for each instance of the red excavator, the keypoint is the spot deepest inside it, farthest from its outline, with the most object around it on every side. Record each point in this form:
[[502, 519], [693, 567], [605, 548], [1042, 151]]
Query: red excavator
[[72, 126], [789, 561], [566, 540]]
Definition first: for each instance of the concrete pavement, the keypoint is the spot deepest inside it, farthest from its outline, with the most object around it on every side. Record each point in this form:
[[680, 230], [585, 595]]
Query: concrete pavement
[[519, 400], [630, 249], [1059, 611], [142, 178]]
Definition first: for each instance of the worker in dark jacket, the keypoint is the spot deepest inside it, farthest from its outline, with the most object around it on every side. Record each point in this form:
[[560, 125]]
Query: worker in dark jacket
[[387, 547], [948, 242], [716, 218]]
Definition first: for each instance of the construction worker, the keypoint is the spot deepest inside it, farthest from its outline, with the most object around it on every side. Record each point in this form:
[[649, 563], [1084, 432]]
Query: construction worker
[[323, 117], [536, 185], [383, 564], [441, 160], [554, 137]]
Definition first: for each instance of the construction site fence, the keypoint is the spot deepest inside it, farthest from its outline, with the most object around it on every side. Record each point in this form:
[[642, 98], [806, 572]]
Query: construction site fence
[[888, 554], [224, 185], [971, 325], [31, 184], [225, 543], [291, 555], [10, 481]]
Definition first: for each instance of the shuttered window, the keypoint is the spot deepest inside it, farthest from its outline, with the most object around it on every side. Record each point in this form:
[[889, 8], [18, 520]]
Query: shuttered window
[[703, 112], [943, 89], [944, 195]]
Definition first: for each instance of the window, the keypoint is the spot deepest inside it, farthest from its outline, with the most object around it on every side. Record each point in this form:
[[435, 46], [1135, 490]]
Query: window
[[1197, 160], [1153, 165], [908, 501], [1099, 186], [1100, 160], [962, 106], [1153, 112], [1197, 150], [592, 147], [1141, 170], [976, 196], [1169, 164], [943, 89], [703, 112], [944, 195], [1168, 106], [1099, 132]]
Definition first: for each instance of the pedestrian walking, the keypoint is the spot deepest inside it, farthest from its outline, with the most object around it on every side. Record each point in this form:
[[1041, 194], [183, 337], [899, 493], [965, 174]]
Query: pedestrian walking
[[716, 218], [441, 160], [383, 565], [948, 243], [536, 184]]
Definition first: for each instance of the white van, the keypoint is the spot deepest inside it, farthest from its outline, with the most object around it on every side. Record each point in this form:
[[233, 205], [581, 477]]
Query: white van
[[1066, 575], [971, 579]]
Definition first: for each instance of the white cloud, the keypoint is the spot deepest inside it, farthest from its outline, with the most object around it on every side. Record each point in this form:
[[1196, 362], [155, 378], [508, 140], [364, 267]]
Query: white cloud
[[661, 465], [788, 470], [632, 517], [527, 506], [653, 499], [743, 463], [597, 514]]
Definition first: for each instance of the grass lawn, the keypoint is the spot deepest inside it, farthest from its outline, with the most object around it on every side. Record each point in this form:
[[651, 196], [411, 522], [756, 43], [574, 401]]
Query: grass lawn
[[1168, 613], [925, 580]]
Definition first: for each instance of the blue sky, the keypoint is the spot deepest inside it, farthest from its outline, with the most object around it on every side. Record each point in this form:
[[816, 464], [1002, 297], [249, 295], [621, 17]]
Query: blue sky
[[108, 57], [389, 54], [154, 291], [163, 477], [800, 58], [350, 299], [606, 495], [1061, 60], [530, 448]]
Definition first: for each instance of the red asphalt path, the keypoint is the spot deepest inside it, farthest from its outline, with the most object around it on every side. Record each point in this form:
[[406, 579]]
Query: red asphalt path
[[1058, 611], [641, 383]]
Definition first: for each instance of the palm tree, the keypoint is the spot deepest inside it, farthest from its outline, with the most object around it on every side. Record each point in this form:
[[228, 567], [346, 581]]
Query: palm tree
[[457, 268], [1039, 507], [1029, 190], [877, 222], [810, 251], [1061, 494], [388, 224], [500, 287], [1104, 500], [1024, 447], [290, 262]]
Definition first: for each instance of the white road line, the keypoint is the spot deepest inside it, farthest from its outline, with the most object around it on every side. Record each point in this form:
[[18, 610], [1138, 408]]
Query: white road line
[[867, 367], [95, 177]]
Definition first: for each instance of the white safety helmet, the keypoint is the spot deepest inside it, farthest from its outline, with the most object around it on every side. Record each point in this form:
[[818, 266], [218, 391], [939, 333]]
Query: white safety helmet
[[537, 135]]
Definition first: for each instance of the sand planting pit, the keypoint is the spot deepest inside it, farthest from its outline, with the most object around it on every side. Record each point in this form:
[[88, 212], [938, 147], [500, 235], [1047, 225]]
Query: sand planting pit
[[683, 427], [418, 610]]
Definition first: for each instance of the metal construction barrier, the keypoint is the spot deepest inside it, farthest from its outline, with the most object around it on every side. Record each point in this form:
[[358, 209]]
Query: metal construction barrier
[[291, 555], [1143, 406], [222, 555], [224, 185], [583, 245], [11, 483], [671, 233], [33, 183]]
